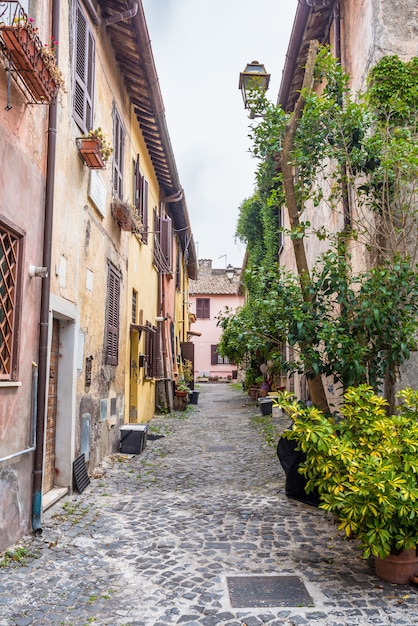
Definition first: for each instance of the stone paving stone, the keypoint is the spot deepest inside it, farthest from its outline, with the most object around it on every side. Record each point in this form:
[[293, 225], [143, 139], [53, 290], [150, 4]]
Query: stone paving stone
[[154, 537]]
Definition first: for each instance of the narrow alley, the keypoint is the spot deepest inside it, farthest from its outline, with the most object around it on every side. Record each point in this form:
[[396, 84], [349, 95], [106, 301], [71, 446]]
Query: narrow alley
[[196, 530]]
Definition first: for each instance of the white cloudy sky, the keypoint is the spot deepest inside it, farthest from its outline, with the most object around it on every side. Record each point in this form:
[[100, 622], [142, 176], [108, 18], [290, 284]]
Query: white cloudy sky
[[200, 47]]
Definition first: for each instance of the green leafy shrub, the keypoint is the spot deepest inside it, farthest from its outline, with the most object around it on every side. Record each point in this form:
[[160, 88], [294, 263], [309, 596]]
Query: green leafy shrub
[[364, 465]]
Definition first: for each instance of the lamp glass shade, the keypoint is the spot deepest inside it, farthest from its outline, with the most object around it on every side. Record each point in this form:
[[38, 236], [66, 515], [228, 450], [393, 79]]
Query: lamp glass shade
[[253, 76], [230, 272]]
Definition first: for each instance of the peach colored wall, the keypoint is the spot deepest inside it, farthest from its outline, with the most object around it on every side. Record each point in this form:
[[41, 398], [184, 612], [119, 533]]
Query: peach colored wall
[[22, 183], [211, 334]]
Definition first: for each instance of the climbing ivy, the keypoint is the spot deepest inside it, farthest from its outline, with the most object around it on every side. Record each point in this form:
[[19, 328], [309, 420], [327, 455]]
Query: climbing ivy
[[357, 328]]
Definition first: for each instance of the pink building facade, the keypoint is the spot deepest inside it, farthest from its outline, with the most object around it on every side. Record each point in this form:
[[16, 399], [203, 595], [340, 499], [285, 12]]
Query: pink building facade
[[209, 295]]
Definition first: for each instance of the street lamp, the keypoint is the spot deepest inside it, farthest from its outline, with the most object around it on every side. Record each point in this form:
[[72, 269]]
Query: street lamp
[[230, 273], [253, 77]]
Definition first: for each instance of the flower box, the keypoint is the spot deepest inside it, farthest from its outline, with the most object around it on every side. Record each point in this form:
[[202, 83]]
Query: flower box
[[89, 149], [27, 58], [125, 216]]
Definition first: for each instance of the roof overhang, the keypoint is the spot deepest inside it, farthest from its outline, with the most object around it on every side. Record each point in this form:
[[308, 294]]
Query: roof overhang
[[126, 26], [312, 21]]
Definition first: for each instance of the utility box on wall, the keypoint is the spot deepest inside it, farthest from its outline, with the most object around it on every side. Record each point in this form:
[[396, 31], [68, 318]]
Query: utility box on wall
[[133, 438]]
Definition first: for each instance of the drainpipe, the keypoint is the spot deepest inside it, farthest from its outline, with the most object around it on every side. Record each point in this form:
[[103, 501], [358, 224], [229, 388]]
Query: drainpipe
[[32, 448], [45, 289], [112, 19]]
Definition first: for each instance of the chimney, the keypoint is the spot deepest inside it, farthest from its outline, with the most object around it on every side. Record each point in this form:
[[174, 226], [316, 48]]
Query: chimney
[[205, 267]]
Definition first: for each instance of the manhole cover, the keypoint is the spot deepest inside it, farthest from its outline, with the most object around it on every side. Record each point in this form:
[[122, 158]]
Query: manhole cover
[[221, 448], [261, 591]]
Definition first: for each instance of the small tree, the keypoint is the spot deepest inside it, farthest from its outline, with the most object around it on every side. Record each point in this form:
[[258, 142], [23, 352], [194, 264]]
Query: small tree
[[365, 148]]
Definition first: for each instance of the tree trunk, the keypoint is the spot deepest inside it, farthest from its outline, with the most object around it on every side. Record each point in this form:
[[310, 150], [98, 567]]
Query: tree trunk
[[316, 386]]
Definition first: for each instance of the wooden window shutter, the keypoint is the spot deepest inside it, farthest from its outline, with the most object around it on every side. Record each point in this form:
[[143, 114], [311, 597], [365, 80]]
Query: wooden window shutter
[[118, 155], [138, 187], [203, 308], [167, 240], [84, 73], [156, 338], [156, 236], [144, 209], [141, 199], [214, 355], [112, 317]]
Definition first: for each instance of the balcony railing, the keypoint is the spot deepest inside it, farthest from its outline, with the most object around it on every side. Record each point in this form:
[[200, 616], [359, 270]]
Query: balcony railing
[[29, 59]]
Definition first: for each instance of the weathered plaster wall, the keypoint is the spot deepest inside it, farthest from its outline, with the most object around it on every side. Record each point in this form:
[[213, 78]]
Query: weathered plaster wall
[[374, 28], [85, 240], [22, 181]]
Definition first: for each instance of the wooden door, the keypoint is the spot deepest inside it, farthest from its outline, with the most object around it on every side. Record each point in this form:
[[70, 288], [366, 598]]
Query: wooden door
[[49, 465]]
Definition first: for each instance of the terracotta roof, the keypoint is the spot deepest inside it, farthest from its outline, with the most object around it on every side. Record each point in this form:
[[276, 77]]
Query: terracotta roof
[[215, 284]]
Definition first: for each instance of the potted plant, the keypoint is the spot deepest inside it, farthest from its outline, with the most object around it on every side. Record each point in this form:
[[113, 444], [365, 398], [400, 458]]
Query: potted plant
[[126, 216], [182, 388], [94, 149], [364, 465], [35, 63]]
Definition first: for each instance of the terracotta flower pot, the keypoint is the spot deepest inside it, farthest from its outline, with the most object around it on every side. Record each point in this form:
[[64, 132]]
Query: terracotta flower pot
[[29, 63], [89, 150], [397, 568]]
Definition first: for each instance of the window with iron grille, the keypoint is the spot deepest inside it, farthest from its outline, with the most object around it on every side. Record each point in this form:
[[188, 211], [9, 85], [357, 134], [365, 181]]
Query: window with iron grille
[[141, 199], [10, 262], [112, 316], [203, 308], [83, 72], [118, 154], [216, 358]]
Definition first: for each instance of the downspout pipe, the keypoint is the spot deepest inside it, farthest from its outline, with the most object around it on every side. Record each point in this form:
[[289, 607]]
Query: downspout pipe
[[32, 447], [44, 314], [113, 19]]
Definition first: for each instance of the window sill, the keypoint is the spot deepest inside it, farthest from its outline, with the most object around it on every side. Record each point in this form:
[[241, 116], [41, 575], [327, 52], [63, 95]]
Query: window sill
[[10, 383]]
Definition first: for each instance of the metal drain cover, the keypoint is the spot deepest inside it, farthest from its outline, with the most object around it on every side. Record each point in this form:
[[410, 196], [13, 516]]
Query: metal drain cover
[[262, 591]]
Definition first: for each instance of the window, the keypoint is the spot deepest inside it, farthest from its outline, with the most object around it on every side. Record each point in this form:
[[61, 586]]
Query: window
[[163, 243], [112, 316], [10, 262], [203, 308], [141, 199], [216, 358], [83, 73], [151, 352], [166, 240], [134, 306], [118, 155]]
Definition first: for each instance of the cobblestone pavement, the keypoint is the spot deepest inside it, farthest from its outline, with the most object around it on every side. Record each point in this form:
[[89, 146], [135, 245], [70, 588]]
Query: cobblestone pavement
[[156, 538]]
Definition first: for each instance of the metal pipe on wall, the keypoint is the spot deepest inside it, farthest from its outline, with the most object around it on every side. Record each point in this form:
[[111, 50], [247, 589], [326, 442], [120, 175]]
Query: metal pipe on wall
[[44, 314], [34, 415]]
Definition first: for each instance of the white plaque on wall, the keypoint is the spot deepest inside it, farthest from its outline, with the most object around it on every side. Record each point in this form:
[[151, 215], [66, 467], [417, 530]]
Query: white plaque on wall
[[97, 192]]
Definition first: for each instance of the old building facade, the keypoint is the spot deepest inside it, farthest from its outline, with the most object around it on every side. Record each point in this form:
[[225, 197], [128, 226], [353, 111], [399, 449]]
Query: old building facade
[[95, 343], [359, 33], [211, 293]]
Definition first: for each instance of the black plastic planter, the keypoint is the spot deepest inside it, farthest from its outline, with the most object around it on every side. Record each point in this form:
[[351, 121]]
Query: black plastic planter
[[193, 397]]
